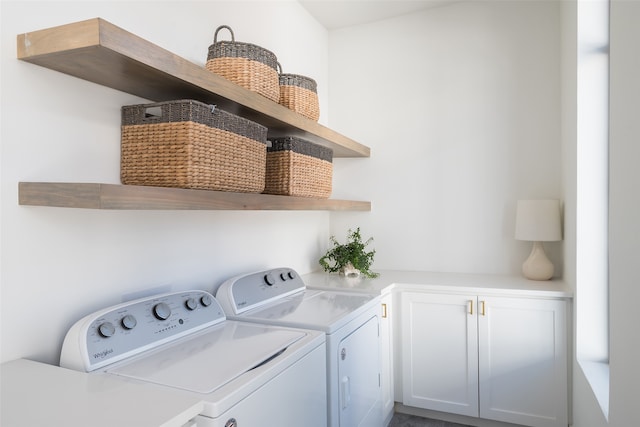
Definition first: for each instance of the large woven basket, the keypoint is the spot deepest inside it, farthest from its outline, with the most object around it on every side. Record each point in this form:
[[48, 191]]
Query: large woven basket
[[296, 167], [245, 64], [189, 144], [300, 94]]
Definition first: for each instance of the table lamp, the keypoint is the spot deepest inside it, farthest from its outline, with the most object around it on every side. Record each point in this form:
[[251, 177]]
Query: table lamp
[[538, 221]]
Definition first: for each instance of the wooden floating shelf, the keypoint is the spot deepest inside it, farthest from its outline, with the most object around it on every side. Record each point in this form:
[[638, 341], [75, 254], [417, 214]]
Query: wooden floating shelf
[[100, 52], [129, 197]]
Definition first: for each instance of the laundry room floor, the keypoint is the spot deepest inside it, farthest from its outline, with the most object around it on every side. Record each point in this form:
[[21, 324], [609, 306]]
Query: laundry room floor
[[404, 420]]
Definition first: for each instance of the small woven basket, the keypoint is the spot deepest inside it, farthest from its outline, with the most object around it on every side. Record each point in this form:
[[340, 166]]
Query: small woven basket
[[245, 64], [300, 94], [189, 144], [296, 167]]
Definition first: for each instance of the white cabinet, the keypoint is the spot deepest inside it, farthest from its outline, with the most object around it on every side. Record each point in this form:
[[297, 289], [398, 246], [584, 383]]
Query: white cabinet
[[523, 360], [494, 357], [386, 356], [440, 352]]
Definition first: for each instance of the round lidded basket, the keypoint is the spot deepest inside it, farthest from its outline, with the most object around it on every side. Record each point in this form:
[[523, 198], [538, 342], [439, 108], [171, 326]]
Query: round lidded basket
[[300, 94], [245, 64]]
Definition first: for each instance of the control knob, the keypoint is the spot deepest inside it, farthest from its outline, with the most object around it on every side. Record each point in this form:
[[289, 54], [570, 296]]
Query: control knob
[[206, 300], [191, 304], [269, 279], [129, 322], [162, 311], [106, 329]]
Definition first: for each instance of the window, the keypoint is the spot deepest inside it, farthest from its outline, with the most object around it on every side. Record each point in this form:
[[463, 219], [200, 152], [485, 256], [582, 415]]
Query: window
[[592, 302]]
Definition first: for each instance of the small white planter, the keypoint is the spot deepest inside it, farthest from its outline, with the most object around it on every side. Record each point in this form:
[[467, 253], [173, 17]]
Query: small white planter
[[349, 270]]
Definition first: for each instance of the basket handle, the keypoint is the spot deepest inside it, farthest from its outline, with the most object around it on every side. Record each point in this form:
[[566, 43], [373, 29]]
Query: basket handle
[[150, 113], [215, 35], [279, 67], [154, 113]]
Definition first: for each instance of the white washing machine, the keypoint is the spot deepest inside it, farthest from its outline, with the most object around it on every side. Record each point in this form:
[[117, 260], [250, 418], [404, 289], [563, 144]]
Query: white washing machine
[[350, 322], [246, 375]]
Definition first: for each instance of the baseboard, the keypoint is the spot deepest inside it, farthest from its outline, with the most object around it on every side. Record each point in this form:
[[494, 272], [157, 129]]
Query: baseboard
[[452, 418]]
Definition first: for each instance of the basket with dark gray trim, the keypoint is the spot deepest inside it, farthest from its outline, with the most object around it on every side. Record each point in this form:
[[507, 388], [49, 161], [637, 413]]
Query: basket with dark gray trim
[[189, 144], [245, 64], [296, 167], [300, 94]]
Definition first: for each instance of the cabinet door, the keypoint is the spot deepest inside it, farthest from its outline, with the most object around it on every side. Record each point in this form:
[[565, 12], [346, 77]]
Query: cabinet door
[[386, 356], [523, 361], [440, 353]]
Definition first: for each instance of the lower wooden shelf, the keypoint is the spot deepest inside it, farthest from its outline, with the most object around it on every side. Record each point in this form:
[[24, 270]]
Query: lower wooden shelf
[[132, 197]]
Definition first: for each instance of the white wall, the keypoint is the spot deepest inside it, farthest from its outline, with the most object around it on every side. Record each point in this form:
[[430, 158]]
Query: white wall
[[461, 107], [60, 264]]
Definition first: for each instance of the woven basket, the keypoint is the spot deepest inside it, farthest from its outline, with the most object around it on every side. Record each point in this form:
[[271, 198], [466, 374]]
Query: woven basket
[[188, 144], [245, 64], [296, 167], [300, 94]]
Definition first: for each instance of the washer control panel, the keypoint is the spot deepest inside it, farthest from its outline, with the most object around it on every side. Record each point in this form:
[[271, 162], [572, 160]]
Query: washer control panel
[[124, 330], [248, 291]]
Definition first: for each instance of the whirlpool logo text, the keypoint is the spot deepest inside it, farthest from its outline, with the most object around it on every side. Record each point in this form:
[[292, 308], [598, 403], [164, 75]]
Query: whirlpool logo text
[[103, 354]]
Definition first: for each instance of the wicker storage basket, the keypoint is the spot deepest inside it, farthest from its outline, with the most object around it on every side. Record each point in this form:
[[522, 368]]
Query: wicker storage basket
[[296, 167], [189, 144], [245, 64], [300, 94]]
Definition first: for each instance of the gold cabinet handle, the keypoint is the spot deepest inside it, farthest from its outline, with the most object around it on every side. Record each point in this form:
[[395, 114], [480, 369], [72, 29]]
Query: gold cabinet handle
[[471, 307], [384, 311], [482, 310]]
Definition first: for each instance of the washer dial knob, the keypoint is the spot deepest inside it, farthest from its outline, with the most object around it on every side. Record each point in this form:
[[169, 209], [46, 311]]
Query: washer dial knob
[[129, 322], [162, 311], [206, 300], [191, 304], [106, 329], [269, 279]]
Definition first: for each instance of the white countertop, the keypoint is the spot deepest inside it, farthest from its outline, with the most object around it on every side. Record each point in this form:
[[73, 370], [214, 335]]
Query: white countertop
[[485, 284], [37, 394]]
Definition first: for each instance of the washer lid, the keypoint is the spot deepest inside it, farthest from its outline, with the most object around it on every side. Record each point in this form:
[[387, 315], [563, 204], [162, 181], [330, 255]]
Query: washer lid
[[206, 361], [312, 309]]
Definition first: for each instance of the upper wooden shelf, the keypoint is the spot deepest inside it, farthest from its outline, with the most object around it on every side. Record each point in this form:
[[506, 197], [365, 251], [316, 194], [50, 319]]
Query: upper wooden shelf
[[100, 52], [113, 196]]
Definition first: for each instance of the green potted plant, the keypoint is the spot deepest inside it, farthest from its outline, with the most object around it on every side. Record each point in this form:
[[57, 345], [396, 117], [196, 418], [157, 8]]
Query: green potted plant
[[351, 258]]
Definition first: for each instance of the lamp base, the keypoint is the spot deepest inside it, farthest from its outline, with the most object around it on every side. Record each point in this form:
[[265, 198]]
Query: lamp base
[[537, 266]]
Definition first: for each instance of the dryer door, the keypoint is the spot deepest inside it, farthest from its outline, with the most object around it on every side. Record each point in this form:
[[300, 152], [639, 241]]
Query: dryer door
[[359, 376]]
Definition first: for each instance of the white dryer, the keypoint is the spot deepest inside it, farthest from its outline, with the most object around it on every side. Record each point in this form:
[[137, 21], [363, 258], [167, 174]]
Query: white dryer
[[350, 322], [246, 375]]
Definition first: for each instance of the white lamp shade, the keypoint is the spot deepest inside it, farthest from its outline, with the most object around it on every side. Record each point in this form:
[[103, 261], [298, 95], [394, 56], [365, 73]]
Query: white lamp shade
[[538, 220]]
